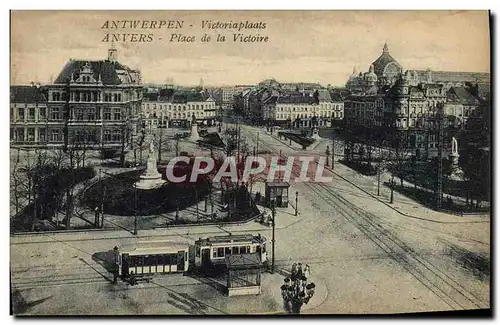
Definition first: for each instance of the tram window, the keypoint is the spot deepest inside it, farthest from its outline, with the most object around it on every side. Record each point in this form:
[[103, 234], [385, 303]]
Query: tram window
[[236, 250], [140, 260], [132, 261], [152, 260], [227, 250], [220, 252], [244, 249], [167, 259], [214, 252], [161, 260], [173, 259], [198, 250], [257, 249]]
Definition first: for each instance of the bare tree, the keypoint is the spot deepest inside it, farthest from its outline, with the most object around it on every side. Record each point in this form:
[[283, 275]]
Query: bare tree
[[177, 140], [162, 143]]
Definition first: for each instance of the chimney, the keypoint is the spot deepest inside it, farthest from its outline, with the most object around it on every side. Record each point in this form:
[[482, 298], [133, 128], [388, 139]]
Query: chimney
[[112, 52]]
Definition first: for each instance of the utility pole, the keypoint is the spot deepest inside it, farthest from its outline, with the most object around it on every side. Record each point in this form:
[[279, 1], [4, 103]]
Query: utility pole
[[257, 150], [439, 191], [378, 180], [273, 211], [135, 211]]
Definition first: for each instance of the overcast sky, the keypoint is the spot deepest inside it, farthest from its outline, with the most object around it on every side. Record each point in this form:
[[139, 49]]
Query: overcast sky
[[307, 46]]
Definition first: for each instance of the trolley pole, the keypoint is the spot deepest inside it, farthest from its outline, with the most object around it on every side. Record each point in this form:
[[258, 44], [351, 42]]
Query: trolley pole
[[273, 211]]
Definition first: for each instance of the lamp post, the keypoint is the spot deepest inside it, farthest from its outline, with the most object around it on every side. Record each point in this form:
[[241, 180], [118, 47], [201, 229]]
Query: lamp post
[[296, 292], [296, 203]]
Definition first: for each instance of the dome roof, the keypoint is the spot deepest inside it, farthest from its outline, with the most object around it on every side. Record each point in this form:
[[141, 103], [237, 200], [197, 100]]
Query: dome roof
[[383, 60]]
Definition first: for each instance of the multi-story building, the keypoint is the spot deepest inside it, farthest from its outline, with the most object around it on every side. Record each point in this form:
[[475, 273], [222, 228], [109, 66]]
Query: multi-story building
[[92, 103], [28, 115], [169, 108], [228, 94], [409, 102], [300, 109]]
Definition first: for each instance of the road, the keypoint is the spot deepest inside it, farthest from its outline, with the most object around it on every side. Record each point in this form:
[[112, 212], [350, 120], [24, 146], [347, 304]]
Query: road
[[369, 258]]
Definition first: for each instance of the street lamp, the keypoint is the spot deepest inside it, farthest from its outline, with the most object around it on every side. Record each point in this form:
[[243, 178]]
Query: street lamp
[[296, 203], [296, 292], [273, 212]]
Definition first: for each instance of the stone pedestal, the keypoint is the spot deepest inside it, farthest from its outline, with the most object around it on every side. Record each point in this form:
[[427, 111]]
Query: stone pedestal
[[194, 133], [314, 133], [150, 179]]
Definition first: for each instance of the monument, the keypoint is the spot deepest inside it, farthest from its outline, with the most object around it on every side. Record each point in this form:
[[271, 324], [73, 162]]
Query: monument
[[456, 171], [314, 128], [194, 131], [150, 179]]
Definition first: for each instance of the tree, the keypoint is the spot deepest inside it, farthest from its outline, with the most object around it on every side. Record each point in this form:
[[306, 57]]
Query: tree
[[162, 143], [177, 140]]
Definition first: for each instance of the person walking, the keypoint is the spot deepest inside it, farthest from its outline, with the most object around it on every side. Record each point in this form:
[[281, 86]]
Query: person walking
[[307, 271], [300, 273], [116, 264], [132, 279], [294, 271]]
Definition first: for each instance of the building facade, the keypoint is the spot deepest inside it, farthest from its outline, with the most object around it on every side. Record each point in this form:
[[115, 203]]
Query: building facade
[[410, 102], [169, 108], [91, 103]]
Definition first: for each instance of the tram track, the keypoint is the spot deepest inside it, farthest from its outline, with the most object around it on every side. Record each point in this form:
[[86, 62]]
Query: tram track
[[437, 281]]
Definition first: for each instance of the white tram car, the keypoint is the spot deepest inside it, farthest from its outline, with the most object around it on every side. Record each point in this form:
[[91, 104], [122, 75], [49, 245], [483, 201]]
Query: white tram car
[[213, 250], [149, 257]]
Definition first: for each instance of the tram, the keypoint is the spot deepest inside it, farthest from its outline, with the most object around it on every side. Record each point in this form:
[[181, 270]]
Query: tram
[[153, 257], [149, 257], [212, 251]]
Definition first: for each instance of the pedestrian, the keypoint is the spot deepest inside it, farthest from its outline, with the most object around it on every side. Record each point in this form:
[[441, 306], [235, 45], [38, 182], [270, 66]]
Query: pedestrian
[[132, 280], [300, 273], [307, 271], [294, 271]]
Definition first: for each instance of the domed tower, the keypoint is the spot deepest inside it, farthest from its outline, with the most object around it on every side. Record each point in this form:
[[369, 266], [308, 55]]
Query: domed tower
[[386, 67], [371, 77]]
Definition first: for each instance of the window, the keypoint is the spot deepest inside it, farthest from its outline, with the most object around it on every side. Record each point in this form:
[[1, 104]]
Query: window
[[236, 250], [198, 251], [107, 113], [55, 136], [41, 135], [107, 135], [214, 252], [42, 113], [91, 114], [20, 134], [20, 113], [56, 96], [31, 114], [220, 252], [117, 114], [227, 251], [107, 97], [79, 115], [55, 114], [117, 136], [31, 134]]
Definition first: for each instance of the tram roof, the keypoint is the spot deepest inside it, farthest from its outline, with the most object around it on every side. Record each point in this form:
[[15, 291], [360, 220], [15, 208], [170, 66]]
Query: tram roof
[[154, 247], [240, 239]]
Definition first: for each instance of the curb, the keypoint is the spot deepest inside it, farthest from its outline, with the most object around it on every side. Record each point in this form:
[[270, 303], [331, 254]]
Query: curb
[[395, 209]]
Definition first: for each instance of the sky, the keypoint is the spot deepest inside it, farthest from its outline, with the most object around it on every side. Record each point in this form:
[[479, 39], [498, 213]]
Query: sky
[[303, 46]]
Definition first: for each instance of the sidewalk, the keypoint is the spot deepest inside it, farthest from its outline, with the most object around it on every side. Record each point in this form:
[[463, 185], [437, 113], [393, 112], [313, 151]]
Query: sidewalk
[[402, 204]]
